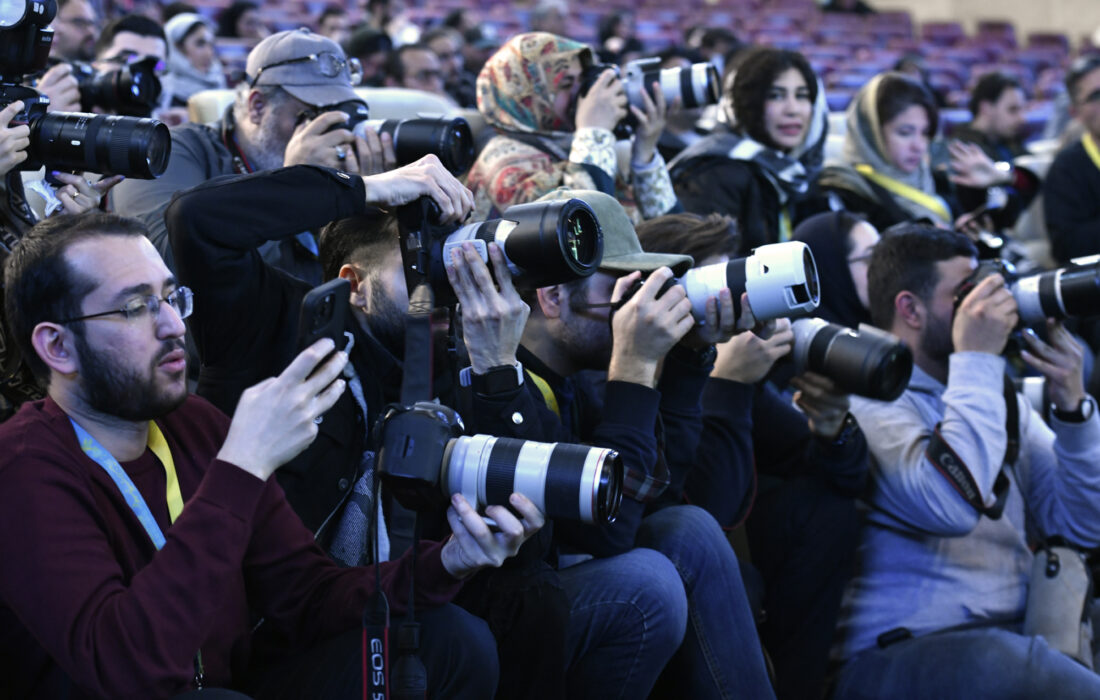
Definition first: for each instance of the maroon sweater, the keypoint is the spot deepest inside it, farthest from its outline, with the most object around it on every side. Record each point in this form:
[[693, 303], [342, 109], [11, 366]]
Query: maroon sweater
[[84, 593]]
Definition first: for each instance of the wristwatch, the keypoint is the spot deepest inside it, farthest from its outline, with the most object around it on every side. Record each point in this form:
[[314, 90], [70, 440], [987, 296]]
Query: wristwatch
[[496, 380], [703, 357], [847, 429], [1082, 413]]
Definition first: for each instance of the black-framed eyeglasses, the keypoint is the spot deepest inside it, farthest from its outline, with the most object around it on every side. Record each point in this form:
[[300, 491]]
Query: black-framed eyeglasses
[[181, 300], [328, 63]]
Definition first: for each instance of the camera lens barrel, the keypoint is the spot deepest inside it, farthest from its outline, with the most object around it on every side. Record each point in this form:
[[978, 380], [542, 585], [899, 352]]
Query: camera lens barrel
[[780, 279], [695, 85], [564, 480], [544, 243], [449, 138], [1071, 291], [101, 143], [868, 362]]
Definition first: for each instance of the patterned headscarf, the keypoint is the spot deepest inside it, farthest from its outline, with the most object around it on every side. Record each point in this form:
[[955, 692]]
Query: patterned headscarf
[[516, 88]]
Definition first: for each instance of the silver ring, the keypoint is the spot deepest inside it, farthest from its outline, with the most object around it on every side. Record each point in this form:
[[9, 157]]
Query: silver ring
[[341, 153]]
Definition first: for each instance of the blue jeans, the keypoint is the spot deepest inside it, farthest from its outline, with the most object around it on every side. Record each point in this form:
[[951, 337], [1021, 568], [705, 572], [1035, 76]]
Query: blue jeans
[[973, 664], [626, 619], [721, 655]]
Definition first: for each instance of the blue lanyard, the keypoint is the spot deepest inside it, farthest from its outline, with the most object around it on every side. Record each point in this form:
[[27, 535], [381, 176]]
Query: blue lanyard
[[133, 497]]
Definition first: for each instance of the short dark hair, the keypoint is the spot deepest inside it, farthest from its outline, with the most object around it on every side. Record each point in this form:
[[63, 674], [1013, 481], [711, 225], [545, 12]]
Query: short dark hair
[[176, 8], [754, 77], [395, 62], [690, 234], [989, 89], [356, 239], [898, 92], [367, 41], [227, 20], [905, 260], [135, 24], [331, 11], [40, 285], [1077, 72], [442, 31]]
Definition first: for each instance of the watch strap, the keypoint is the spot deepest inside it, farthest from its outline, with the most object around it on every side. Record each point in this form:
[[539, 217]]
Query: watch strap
[[496, 380]]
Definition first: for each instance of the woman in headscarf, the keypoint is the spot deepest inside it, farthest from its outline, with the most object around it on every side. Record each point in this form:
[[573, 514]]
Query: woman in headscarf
[[841, 243], [759, 171], [193, 64], [885, 173], [550, 136]]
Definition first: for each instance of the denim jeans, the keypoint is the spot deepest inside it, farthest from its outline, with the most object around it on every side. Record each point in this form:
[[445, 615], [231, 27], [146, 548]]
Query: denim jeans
[[627, 617], [721, 655], [969, 664]]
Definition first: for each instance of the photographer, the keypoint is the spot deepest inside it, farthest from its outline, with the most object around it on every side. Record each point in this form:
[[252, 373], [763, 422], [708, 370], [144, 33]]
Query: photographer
[[790, 474], [550, 136], [616, 612], [569, 332], [265, 128], [965, 478]]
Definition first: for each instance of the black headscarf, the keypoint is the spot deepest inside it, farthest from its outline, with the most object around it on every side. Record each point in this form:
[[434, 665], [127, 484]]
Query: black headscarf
[[827, 236]]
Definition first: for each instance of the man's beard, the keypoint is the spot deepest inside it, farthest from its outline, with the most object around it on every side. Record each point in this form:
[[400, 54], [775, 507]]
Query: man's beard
[[121, 391], [386, 321], [268, 150], [587, 340], [935, 339]]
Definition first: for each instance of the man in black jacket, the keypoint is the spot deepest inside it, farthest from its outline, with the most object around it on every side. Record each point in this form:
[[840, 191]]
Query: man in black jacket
[[1072, 194], [216, 253]]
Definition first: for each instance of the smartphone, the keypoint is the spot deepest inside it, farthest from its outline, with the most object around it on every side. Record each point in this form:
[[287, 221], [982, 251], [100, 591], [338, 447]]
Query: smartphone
[[323, 313]]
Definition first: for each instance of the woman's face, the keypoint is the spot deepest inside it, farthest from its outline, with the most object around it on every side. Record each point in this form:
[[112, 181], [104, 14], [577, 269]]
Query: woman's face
[[249, 26], [861, 239], [787, 110], [198, 48], [906, 137], [568, 85]]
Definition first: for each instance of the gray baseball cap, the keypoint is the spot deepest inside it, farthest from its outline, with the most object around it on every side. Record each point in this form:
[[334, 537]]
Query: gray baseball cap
[[309, 66], [622, 253]]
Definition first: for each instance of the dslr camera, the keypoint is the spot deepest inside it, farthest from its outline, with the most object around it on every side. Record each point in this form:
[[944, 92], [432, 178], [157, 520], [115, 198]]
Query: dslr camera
[[132, 89], [449, 138], [695, 85], [544, 243], [425, 457], [107, 144], [1068, 292]]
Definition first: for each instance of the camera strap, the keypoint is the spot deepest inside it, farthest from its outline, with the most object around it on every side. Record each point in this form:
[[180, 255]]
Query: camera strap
[[948, 463]]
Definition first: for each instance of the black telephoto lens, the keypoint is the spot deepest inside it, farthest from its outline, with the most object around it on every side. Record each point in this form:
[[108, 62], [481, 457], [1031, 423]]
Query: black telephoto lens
[[449, 138], [131, 90], [101, 143], [552, 242], [868, 362]]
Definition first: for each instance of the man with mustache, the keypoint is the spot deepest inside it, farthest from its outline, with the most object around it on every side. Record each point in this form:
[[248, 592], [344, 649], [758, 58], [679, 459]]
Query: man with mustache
[[145, 537]]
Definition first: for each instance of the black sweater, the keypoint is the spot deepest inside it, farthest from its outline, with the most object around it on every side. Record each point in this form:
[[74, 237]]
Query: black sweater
[[1071, 204]]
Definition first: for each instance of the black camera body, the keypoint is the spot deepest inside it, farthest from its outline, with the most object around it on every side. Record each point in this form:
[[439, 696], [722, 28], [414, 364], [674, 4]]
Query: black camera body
[[69, 141], [413, 441], [132, 89]]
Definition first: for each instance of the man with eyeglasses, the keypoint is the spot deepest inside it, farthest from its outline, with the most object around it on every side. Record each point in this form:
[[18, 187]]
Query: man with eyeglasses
[[291, 76], [74, 30], [415, 66], [144, 536], [1071, 195]]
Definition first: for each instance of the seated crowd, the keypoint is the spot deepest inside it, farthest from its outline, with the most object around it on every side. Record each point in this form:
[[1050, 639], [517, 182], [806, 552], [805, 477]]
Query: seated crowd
[[198, 503]]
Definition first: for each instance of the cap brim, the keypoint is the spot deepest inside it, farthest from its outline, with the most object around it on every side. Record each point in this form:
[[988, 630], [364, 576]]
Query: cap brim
[[647, 262], [320, 95]]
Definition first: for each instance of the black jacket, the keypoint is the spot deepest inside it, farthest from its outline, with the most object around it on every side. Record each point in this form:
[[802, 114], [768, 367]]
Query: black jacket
[[1071, 204]]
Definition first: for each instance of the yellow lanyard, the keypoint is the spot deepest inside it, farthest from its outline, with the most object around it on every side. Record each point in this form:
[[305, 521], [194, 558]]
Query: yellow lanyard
[[928, 201], [1091, 149], [159, 446], [548, 397], [784, 224]]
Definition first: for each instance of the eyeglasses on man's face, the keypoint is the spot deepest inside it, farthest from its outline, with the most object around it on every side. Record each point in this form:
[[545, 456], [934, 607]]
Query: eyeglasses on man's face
[[181, 300], [329, 65]]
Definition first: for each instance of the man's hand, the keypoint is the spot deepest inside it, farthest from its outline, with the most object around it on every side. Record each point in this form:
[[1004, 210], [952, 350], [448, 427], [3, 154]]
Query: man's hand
[[275, 419], [79, 195], [971, 167], [823, 403], [720, 326], [492, 320], [748, 357], [646, 328], [61, 87], [1062, 362], [605, 104], [651, 123], [14, 140], [313, 143], [373, 154], [426, 176], [985, 318], [473, 546]]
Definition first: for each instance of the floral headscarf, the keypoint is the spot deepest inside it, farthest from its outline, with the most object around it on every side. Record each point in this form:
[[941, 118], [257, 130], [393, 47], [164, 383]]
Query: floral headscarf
[[516, 88]]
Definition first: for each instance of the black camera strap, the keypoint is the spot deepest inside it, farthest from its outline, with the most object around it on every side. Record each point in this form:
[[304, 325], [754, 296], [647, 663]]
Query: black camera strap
[[952, 467]]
